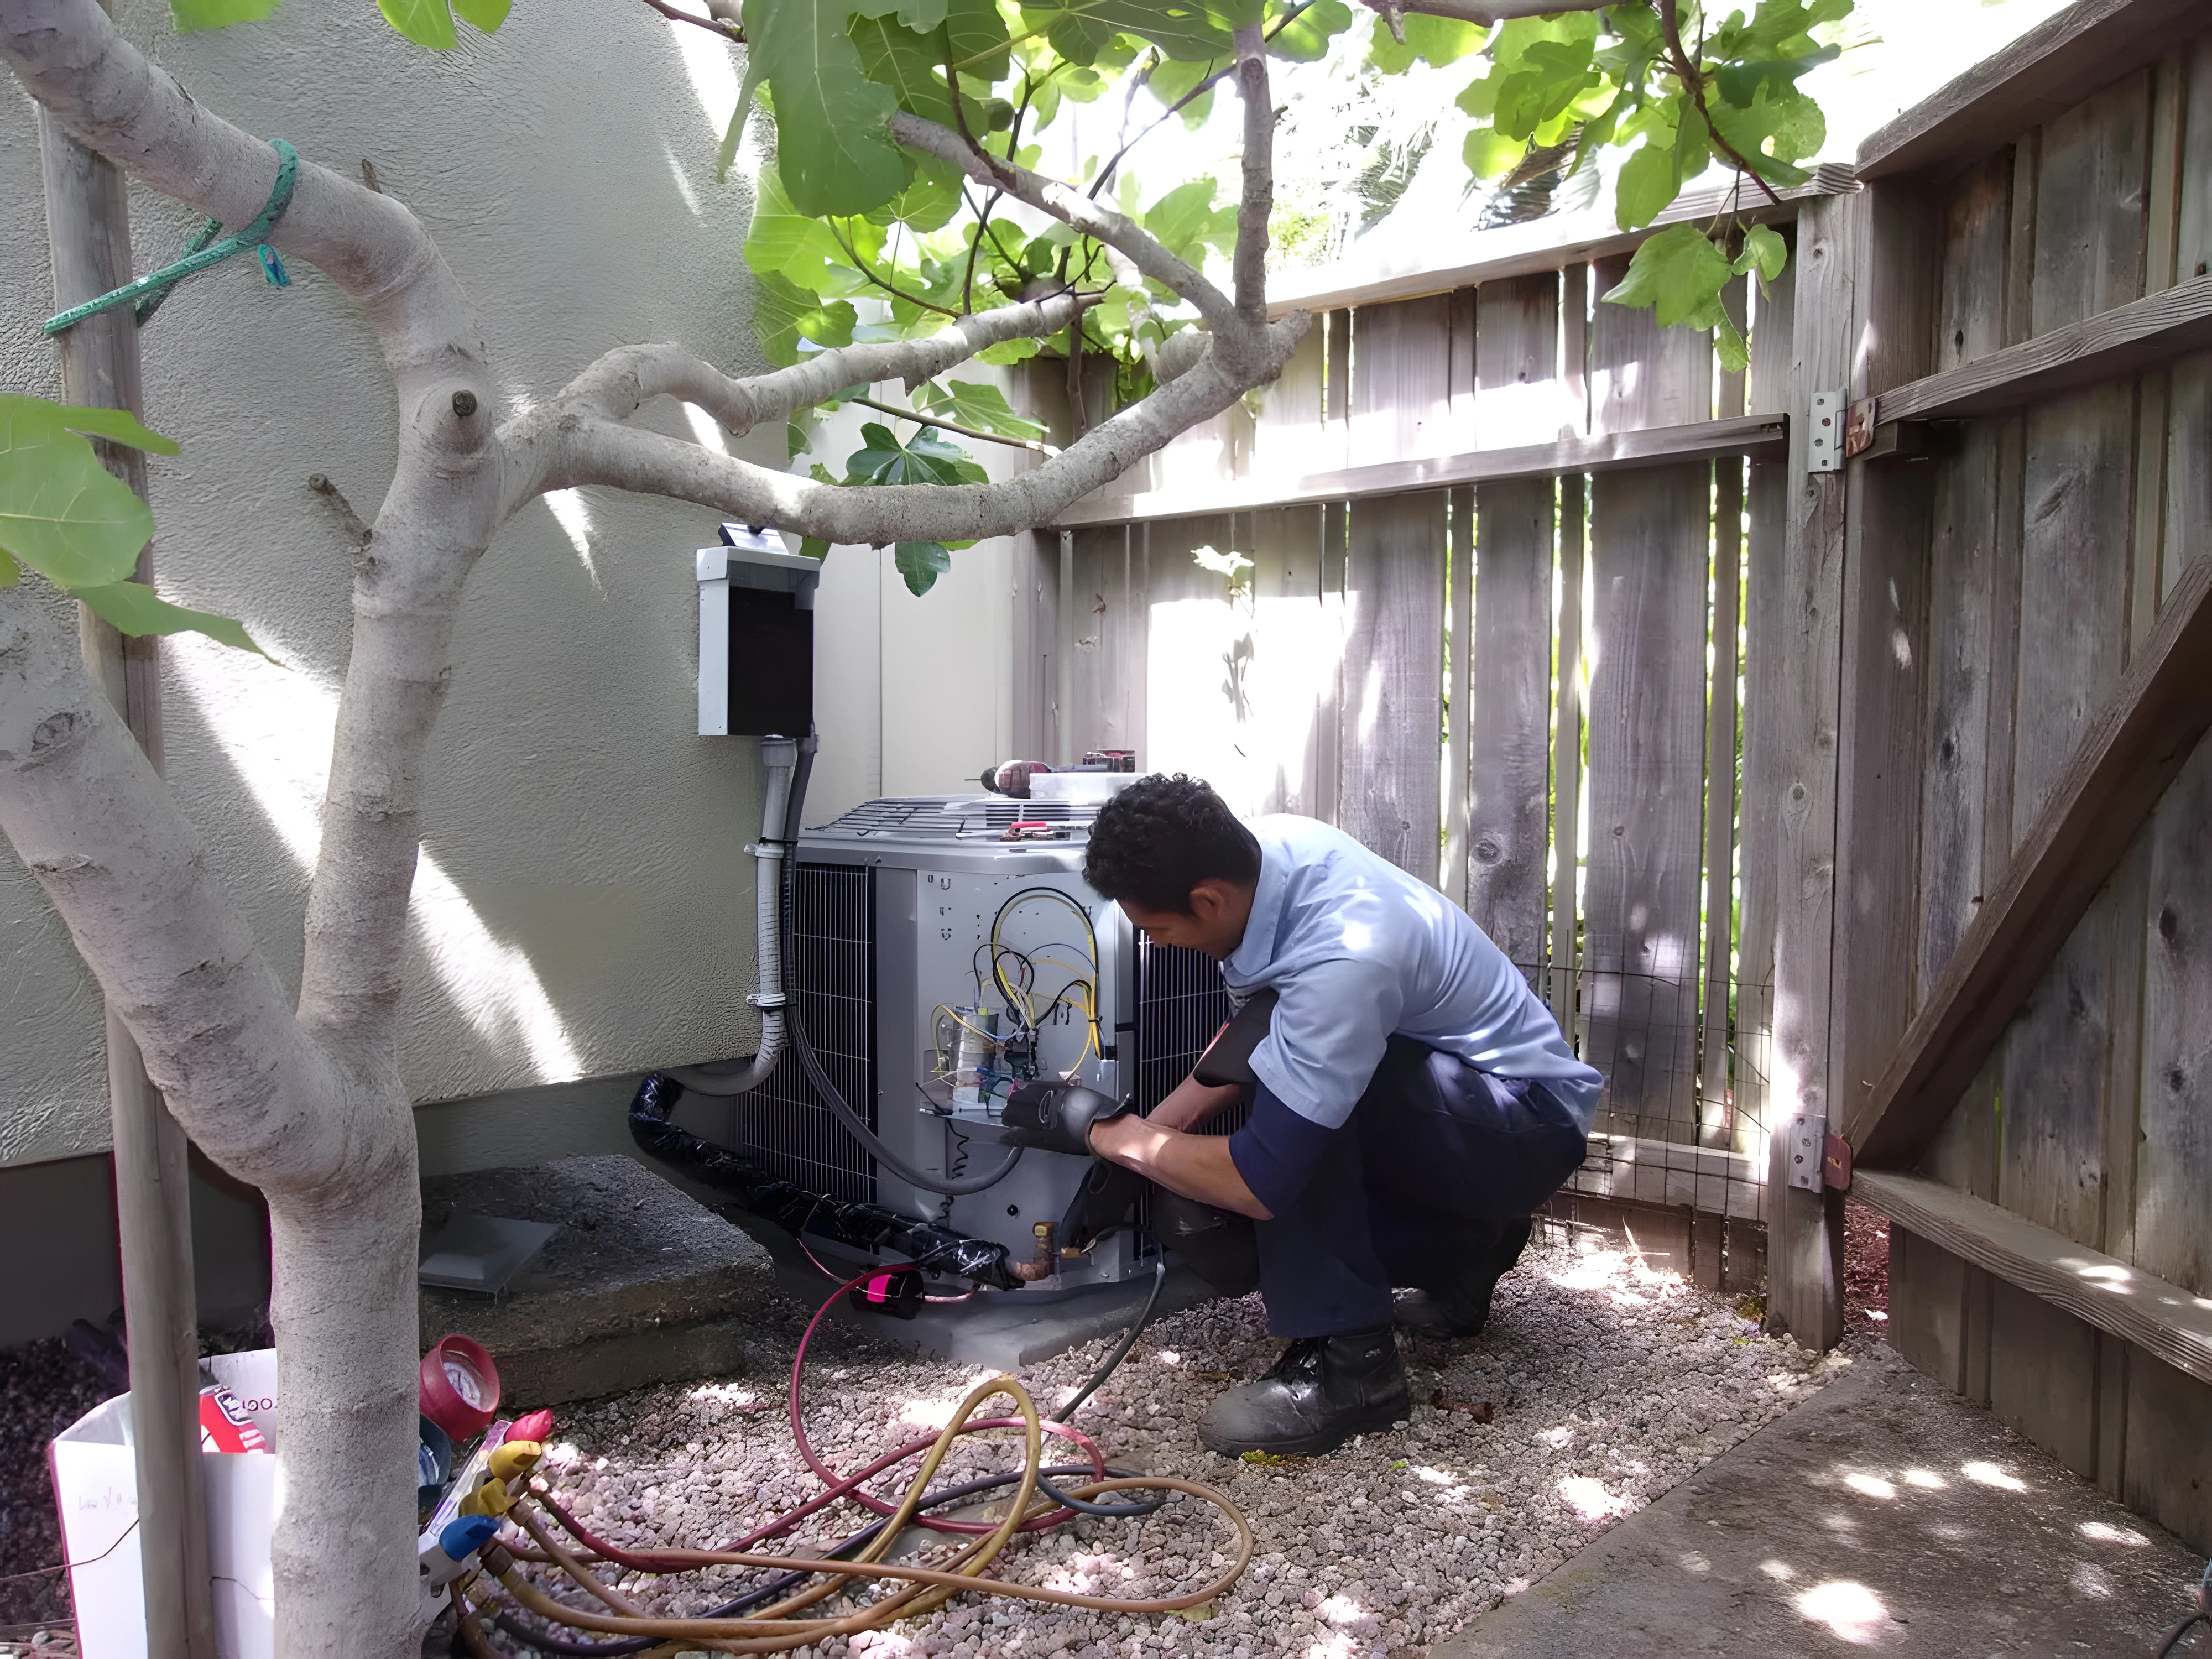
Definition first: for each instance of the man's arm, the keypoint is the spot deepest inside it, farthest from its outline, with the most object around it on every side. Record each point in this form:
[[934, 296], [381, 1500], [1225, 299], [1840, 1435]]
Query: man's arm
[[1193, 1102], [1196, 1166]]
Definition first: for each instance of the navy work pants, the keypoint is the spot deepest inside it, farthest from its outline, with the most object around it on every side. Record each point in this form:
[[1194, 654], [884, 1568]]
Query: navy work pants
[[1417, 1189]]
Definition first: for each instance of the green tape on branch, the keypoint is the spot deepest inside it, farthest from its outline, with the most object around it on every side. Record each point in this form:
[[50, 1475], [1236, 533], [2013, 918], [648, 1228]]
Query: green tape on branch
[[147, 294]]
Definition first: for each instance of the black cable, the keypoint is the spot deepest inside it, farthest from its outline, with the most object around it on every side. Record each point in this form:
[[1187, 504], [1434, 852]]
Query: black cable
[[801, 1045], [1114, 1358]]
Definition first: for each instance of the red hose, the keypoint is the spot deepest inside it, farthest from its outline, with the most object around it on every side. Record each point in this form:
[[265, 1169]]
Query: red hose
[[836, 1486], [846, 1485]]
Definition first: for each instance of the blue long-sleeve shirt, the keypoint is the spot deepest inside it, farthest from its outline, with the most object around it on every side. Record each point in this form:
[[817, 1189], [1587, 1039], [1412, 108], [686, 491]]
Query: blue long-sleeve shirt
[[1357, 951]]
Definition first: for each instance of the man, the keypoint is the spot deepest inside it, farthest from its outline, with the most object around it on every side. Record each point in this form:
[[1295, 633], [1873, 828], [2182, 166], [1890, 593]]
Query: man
[[1413, 1101]]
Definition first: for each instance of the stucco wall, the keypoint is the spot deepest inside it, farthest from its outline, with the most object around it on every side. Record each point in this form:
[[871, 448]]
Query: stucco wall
[[586, 906]]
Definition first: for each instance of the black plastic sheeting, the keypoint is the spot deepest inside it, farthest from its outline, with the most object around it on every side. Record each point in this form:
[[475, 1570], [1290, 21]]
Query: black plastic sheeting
[[860, 1226]]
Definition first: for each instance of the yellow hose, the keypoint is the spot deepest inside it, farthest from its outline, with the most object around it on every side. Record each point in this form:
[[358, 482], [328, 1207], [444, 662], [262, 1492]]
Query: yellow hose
[[925, 1589]]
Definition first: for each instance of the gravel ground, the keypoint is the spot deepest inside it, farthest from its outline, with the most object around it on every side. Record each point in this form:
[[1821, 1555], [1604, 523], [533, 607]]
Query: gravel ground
[[43, 1389], [1608, 1385]]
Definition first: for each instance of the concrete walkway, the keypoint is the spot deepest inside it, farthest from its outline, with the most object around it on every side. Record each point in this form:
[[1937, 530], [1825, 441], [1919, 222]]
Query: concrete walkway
[[1884, 1515]]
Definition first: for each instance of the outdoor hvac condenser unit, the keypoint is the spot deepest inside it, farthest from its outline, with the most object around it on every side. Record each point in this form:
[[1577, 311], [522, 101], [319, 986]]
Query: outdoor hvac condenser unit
[[903, 906]]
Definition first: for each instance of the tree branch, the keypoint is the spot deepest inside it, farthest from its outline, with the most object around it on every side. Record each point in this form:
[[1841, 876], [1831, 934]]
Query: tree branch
[[861, 265], [1485, 12], [94, 824], [942, 425], [580, 449], [727, 30], [1694, 82], [1106, 174], [625, 380], [1071, 208], [436, 517], [1256, 204], [115, 101]]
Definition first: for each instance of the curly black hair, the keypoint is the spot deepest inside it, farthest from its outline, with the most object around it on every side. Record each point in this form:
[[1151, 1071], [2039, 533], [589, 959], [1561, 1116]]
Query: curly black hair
[[1161, 836]]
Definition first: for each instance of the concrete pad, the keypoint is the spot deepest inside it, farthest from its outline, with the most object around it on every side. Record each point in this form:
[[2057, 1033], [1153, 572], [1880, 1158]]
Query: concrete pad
[[641, 1284], [1885, 1515], [1002, 1328]]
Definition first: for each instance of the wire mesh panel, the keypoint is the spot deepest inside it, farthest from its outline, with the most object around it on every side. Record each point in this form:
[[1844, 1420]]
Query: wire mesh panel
[[831, 976], [1181, 1004], [1631, 1027]]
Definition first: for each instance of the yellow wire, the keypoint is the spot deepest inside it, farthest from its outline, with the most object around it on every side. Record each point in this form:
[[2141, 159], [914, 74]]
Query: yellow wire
[[937, 1048]]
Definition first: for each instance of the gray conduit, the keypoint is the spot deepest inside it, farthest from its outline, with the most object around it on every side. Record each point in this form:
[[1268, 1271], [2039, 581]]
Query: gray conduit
[[779, 831]]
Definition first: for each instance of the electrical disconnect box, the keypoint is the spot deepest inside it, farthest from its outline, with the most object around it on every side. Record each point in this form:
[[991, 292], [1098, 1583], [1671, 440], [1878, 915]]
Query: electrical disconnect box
[[755, 636]]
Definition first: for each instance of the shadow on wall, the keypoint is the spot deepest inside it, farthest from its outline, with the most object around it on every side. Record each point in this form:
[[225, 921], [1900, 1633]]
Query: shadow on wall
[[57, 1229]]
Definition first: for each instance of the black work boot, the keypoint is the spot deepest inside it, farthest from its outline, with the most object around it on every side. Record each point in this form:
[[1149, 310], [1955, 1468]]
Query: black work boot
[[1321, 1392], [1460, 1310]]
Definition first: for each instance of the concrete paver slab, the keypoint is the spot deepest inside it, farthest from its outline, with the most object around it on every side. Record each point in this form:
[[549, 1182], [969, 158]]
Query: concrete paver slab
[[1885, 1515]]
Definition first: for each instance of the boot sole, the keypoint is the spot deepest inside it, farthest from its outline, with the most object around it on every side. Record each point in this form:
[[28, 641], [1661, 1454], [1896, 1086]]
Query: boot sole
[[1373, 1419]]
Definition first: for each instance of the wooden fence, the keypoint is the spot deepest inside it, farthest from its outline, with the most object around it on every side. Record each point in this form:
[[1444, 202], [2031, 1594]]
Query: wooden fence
[[1913, 843], [1491, 624], [2020, 1047]]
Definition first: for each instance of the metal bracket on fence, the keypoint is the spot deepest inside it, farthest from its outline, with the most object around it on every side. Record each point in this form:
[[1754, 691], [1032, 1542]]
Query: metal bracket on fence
[[1805, 1136], [1836, 1164], [1824, 450]]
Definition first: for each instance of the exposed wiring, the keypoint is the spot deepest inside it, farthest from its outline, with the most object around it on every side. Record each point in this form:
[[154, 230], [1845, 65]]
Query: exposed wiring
[[1095, 1044]]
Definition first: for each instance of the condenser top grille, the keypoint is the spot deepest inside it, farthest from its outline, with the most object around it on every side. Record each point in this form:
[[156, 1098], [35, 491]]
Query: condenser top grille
[[952, 817]]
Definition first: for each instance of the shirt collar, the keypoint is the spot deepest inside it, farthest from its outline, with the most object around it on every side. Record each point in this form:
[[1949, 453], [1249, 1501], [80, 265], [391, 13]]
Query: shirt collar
[[1257, 948]]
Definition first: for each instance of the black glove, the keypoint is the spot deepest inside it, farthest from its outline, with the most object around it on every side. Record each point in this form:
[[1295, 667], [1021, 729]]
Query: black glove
[[1101, 1204], [1055, 1116], [1228, 1058]]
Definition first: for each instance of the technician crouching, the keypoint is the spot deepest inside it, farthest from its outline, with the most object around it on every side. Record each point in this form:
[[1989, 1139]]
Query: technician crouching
[[1413, 1103]]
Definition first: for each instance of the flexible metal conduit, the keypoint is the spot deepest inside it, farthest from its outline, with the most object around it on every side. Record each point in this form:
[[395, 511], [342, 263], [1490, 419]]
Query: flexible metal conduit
[[778, 835], [776, 885]]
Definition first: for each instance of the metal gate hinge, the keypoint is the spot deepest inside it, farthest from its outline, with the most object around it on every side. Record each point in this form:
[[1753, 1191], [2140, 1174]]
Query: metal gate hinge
[[1824, 450]]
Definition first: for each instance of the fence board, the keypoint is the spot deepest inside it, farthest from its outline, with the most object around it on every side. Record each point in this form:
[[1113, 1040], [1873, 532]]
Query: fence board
[[1107, 705], [1977, 238], [1390, 785], [1955, 787], [1805, 1235], [1400, 380], [1509, 669], [2089, 206], [2188, 528], [1290, 432], [2161, 214], [1641, 375], [1279, 743], [2173, 1172], [1459, 696], [1767, 497], [1520, 400], [1184, 675], [2073, 595], [1883, 723], [2056, 1067], [1649, 542], [1509, 732]]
